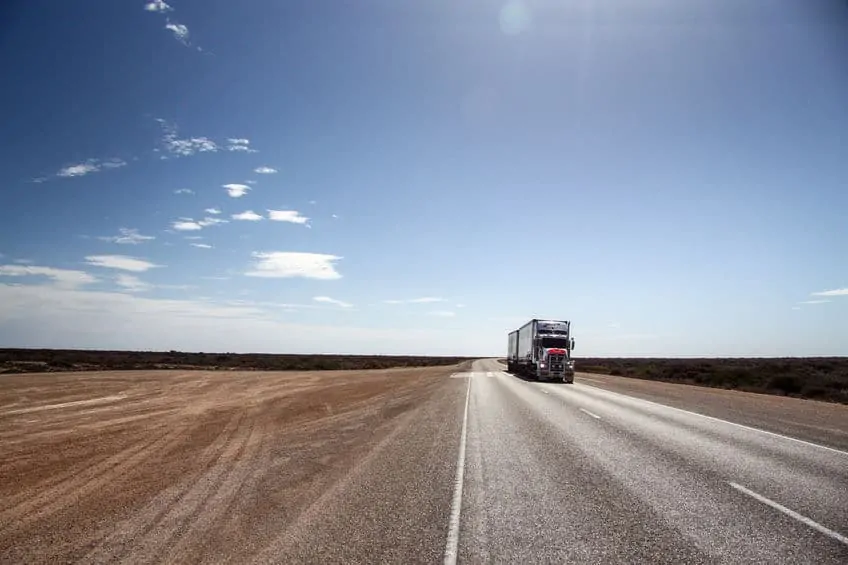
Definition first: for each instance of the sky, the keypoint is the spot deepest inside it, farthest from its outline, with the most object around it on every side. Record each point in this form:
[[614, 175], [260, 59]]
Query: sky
[[384, 177]]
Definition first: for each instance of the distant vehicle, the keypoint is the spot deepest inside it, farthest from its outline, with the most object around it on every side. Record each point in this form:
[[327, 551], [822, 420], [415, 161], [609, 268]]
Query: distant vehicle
[[541, 350]]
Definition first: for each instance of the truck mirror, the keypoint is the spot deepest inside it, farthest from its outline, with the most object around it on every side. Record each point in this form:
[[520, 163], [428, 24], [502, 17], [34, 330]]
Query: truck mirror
[[572, 343]]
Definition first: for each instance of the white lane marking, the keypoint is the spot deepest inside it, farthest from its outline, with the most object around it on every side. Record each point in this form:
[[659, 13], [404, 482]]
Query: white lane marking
[[791, 513], [595, 416], [452, 544], [811, 444]]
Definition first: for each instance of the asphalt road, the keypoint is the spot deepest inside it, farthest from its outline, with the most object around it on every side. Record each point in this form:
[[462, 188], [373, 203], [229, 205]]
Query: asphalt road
[[423, 467], [554, 473]]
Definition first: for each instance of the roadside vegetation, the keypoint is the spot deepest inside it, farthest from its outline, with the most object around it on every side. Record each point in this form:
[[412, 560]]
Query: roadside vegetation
[[53, 360], [819, 378]]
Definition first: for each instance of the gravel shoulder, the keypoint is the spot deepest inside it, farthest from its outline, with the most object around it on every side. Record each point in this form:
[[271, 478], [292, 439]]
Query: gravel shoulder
[[197, 466]]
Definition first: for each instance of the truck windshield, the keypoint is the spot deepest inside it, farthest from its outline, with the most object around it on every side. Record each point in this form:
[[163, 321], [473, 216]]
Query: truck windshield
[[555, 342]]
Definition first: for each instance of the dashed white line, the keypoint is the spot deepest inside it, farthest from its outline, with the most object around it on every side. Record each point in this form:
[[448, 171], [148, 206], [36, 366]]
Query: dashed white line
[[791, 513], [452, 544], [833, 449], [595, 416]]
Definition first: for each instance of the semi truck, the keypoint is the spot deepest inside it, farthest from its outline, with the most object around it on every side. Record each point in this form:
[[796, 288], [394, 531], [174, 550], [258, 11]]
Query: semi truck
[[541, 350]]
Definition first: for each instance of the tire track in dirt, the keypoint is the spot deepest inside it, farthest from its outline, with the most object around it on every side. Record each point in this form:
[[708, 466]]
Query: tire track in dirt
[[77, 485], [125, 535], [191, 506], [214, 508]]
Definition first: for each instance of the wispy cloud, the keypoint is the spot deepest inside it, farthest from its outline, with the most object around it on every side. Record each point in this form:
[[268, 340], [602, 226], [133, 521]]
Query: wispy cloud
[[265, 170], [132, 283], [172, 143], [422, 300], [158, 6], [186, 225], [86, 167], [180, 32], [121, 262], [240, 144], [189, 224], [292, 216], [248, 215], [127, 236], [328, 300], [288, 264], [442, 314], [236, 190], [210, 221], [201, 245], [814, 302], [250, 182], [212, 211], [64, 277], [834, 292], [614, 325], [184, 191]]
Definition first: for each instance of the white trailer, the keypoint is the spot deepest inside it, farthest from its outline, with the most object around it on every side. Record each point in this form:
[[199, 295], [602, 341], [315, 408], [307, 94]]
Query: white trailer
[[541, 350]]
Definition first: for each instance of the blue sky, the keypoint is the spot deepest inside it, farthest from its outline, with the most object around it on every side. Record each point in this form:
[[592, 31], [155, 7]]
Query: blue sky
[[422, 177]]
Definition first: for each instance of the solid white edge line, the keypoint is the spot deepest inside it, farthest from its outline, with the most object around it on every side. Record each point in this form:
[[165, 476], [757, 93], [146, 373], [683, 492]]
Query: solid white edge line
[[791, 513], [452, 544], [841, 452], [589, 413]]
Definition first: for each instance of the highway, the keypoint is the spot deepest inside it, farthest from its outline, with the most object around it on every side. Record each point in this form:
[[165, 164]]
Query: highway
[[461, 464], [496, 469]]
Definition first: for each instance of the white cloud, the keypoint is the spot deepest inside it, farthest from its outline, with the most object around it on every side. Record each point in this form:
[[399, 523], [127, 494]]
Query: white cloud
[[120, 262], [127, 236], [201, 245], [615, 325], [209, 221], [63, 277], [88, 319], [834, 292], [132, 283], [796, 307], [240, 144], [328, 300], [186, 225], [172, 144], [292, 216], [179, 30], [282, 264], [213, 211], [236, 190], [22, 261], [265, 170], [250, 182], [814, 302], [422, 300], [334, 216], [459, 306], [89, 166], [248, 215], [184, 191], [193, 237], [443, 313], [157, 6]]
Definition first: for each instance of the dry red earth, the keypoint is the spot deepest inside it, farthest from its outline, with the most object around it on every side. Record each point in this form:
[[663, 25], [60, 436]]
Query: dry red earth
[[182, 466]]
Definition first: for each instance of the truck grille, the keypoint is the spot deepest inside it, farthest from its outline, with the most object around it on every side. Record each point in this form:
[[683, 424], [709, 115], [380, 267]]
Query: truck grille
[[556, 363]]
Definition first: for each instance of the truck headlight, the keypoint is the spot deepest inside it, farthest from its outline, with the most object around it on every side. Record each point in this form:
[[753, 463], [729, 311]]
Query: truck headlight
[[541, 365]]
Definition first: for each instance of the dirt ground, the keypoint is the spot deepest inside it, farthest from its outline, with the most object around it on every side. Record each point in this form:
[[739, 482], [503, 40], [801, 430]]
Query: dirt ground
[[181, 466]]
